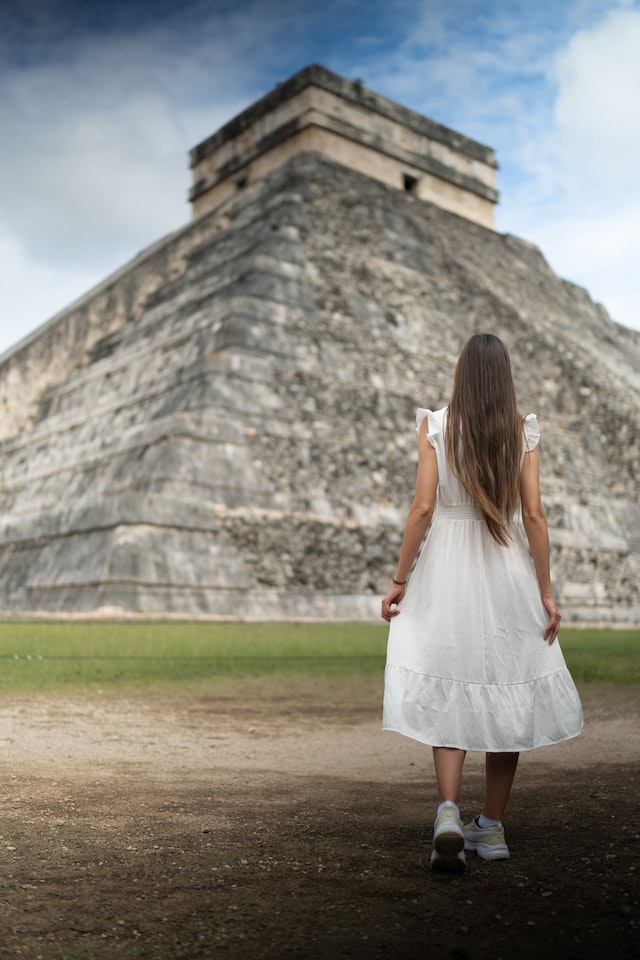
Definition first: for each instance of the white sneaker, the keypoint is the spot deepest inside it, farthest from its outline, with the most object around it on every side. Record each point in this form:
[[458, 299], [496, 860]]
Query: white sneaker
[[448, 841], [488, 842]]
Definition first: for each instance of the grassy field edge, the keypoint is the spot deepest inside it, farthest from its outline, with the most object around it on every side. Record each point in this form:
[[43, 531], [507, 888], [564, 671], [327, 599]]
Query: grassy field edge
[[52, 654]]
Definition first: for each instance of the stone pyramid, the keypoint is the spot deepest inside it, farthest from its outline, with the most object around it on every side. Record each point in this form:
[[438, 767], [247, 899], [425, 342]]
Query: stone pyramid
[[225, 426]]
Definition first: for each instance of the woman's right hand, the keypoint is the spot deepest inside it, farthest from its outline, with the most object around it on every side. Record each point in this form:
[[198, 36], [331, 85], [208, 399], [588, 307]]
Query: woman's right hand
[[553, 626], [391, 599]]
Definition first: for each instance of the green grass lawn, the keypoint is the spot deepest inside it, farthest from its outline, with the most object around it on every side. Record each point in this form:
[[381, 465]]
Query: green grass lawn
[[38, 655]]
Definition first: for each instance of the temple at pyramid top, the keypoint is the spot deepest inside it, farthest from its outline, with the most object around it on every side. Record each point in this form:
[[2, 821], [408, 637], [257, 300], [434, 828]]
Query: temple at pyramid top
[[319, 110]]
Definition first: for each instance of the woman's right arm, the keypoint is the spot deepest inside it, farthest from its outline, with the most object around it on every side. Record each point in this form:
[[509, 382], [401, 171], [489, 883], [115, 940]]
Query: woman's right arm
[[535, 525], [417, 523]]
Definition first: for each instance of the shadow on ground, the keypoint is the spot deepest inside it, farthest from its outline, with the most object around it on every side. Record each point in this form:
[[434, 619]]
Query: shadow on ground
[[270, 866]]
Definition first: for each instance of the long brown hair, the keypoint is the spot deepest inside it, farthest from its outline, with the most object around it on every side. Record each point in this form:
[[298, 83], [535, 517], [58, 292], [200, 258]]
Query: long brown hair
[[483, 433]]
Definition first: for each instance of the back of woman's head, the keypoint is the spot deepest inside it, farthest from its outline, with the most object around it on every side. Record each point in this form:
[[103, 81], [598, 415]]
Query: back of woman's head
[[484, 431]]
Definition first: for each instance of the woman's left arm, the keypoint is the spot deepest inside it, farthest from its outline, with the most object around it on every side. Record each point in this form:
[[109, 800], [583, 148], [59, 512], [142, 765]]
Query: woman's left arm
[[418, 521]]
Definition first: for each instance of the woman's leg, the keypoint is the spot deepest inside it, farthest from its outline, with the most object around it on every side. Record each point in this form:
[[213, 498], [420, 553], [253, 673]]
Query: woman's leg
[[448, 835], [500, 771], [485, 834], [448, 762]]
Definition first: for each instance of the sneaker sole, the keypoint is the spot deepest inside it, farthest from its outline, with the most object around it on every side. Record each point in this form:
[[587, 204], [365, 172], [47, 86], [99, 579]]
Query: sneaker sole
[[448, 843], [488, 851]]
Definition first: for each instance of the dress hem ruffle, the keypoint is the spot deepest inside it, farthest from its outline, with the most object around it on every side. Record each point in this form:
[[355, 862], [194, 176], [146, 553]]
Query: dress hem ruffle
[[494, 718]]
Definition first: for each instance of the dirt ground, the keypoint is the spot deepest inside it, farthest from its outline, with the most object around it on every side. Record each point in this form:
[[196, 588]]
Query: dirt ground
[[273, 819]]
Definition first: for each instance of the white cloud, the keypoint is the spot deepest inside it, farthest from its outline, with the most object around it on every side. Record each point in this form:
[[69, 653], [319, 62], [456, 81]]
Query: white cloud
[[599, 251], [97, 156], [86, 182], [95, 141], [91, 180], [581, 202], [31, 289], [598, 106]]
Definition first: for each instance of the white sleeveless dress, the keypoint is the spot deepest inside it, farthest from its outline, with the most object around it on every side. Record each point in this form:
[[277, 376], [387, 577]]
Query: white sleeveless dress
[[467, 663]]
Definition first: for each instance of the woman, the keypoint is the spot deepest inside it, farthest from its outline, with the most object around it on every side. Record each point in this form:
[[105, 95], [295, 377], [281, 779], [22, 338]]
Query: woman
[[472, 662]]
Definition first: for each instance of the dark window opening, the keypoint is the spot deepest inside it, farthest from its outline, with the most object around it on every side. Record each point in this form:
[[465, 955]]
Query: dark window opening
[[410, 183]]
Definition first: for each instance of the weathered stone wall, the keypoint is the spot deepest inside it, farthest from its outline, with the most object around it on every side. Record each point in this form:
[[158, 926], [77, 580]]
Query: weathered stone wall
[[71, 338], [241, 443]]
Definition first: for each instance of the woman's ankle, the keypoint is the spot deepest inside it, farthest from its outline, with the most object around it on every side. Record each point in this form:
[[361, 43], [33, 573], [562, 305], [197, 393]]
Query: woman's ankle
[[485, 822]]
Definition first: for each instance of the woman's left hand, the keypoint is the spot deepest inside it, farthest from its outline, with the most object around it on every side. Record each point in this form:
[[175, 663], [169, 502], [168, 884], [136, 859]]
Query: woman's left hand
[[553, 625], [391, 599]]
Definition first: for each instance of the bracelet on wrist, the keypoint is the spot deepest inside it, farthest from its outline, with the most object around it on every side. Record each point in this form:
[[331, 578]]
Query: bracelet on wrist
[[398, 583]]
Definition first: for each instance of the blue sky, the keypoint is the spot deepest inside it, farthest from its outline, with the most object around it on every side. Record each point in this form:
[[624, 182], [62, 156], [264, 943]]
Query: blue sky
[[100, 103]]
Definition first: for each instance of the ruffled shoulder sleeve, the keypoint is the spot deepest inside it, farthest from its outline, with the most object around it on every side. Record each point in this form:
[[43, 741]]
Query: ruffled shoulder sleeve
[[421, 413], [531, 432], [434, 422]]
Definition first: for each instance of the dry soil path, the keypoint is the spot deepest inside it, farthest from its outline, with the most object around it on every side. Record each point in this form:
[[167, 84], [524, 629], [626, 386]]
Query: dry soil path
[[274, 819]]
